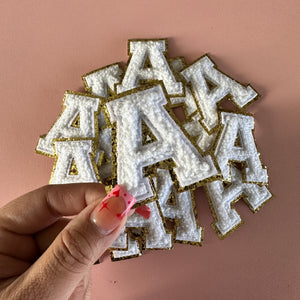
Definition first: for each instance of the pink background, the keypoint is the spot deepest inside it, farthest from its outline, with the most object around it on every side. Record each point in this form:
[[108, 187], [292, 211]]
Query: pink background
[[45, 48]]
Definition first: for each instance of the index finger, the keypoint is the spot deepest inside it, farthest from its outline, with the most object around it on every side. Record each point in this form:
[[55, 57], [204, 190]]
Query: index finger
[[40, 208]]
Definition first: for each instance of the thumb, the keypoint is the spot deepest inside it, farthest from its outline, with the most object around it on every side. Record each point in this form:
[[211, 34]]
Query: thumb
[[79, 245]]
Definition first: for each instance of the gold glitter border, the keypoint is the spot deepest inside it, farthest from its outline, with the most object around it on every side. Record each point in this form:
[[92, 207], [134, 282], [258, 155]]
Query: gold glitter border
[[141, 240], [146, 82], [91, 154], [89, 89], [189, 117], [245, 199], [164, 163], [176, 220], [228, 96], [230, 162], [96, 129]]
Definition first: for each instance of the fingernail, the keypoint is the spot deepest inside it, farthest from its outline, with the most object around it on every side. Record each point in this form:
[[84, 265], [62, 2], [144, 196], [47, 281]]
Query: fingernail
[[112, 209], [144, 211]]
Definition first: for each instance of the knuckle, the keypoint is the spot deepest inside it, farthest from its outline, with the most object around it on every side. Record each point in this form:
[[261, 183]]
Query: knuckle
[[75, 252]]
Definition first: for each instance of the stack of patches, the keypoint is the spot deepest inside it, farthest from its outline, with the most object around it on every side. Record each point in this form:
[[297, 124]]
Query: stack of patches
[[123, 131]]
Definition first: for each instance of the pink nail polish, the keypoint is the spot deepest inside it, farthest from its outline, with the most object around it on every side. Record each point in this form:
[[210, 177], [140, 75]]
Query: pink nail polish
[[112, 209], [143, 211]]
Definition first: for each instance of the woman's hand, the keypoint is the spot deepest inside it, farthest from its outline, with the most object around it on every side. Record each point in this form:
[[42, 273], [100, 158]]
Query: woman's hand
[[46, 256]]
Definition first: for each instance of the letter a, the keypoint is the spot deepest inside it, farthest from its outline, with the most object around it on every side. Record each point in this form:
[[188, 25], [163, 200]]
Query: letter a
[[171, 143], [153, 51]]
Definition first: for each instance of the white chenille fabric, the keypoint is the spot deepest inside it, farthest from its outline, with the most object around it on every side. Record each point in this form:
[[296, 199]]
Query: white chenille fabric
[[221, 200], [193, 126], [78, 152], [101, 120], [238, 126], [122, 131], [132, 251], [155, 237], [183, 210], [132, 156], [121, 241], [105, 145], [188, 99], [100, 80], [178, 64], [204, 68], [154, 51], [203, 139], [75, 105]]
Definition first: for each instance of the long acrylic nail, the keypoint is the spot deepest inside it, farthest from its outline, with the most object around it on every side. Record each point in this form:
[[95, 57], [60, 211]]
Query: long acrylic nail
[[144, 211], [112, 209]]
